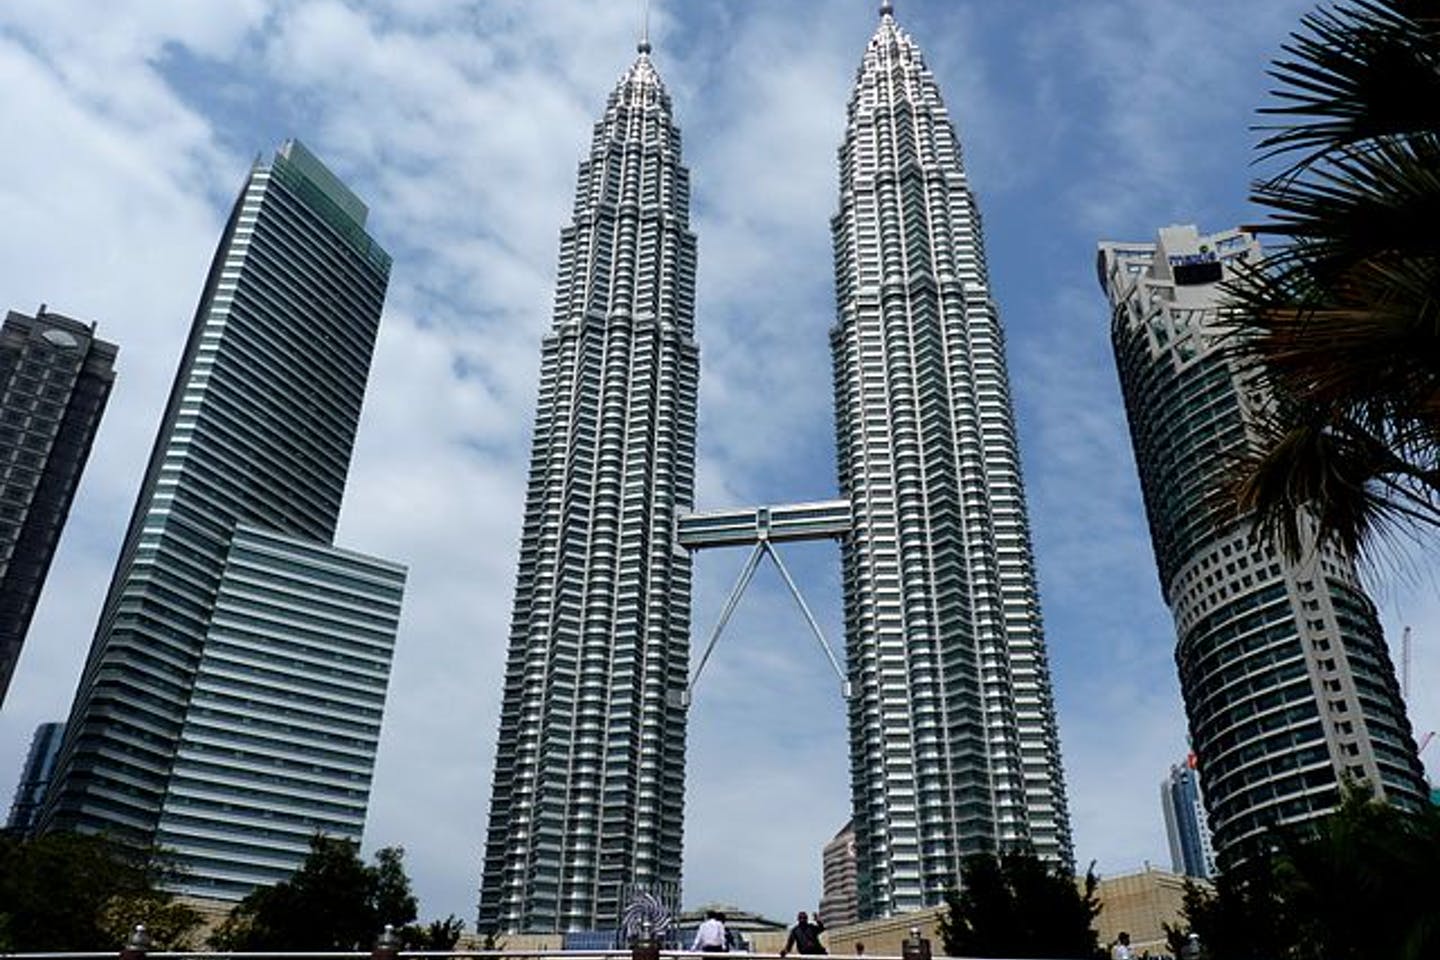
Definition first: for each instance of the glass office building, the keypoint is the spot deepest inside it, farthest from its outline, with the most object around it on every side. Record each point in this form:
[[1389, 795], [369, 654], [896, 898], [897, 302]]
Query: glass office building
[[1186, 828], [230, 704], [1288, 684], [35, 779], [55, 378]]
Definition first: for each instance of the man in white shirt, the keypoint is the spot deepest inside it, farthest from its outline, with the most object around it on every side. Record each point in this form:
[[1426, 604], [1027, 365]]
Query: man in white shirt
[[1121, 950], [710, 937]]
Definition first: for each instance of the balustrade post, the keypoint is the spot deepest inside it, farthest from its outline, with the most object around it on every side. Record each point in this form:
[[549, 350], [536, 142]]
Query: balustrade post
[[915, 947], [388, 946], [645, 946], [138, 945]]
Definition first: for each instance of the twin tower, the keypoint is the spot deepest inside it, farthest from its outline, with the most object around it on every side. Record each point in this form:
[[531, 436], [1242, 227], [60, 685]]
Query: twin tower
[[953, 745]]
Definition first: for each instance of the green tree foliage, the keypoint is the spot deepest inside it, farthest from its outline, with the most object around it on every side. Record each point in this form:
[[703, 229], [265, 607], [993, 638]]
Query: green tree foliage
[[73, 892], [1341, 321], [333, 902], [1359, 885], [1014, 905], [435, 935]]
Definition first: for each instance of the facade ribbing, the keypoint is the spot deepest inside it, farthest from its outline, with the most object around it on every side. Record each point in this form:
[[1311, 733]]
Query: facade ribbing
[[55, 378], [1288, 684], [588, 791], [954, 748], [255, 442]]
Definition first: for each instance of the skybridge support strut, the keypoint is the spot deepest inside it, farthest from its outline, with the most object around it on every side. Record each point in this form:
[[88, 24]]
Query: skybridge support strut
[[763, 527]]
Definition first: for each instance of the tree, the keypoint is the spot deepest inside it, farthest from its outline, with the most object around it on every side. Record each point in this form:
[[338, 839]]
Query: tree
[[1340, 324], [436, 935], [1357, 885], [1015, 905], [333, 902], [66, 891]]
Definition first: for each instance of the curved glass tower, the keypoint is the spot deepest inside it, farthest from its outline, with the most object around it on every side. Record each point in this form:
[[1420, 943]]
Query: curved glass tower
[[953, 747], [1287, 680], [589, 786]]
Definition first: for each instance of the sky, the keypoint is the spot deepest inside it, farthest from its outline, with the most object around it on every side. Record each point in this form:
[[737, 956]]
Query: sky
[[130, 126]]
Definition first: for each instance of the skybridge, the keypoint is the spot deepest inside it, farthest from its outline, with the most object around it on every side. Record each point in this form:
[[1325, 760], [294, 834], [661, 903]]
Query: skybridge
[[761, 529]]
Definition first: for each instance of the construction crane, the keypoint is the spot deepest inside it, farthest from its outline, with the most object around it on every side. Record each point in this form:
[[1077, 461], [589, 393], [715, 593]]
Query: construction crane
[[1405, 665]]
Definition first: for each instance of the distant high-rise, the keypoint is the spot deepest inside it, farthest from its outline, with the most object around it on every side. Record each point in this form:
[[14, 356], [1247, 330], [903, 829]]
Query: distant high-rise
[[54, 380], [839, 904], [35, 778], [230, 706], [1288, 683], [953, 740], [588, 797], [1191, 851]]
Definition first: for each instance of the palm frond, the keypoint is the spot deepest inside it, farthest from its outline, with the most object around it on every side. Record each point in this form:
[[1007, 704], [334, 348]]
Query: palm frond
[[1357, 73]]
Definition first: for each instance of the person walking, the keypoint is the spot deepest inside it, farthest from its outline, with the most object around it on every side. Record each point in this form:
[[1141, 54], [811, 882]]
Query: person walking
[[1121, 950], [710, 936], [805, 936]]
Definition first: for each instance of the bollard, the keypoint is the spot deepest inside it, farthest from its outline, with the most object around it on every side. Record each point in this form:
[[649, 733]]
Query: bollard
[[915, 947], [136, 947], [645, 946], [388, 946]]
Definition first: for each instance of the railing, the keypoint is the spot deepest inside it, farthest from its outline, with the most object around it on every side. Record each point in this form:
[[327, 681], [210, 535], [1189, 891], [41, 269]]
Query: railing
[[388, 947]]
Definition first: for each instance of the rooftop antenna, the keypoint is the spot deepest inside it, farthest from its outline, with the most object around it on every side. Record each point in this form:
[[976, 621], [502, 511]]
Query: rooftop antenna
[[644, 45]]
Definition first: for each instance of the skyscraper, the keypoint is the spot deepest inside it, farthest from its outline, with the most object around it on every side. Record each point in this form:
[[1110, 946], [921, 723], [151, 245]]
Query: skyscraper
[[953, 745], [589, 772], [54, 380], [35, 778], [1191, 851], [1288, 684], [230, 705]]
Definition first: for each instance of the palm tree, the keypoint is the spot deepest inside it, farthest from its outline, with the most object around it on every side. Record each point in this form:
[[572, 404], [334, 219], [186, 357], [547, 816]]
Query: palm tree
[[1340, 323]]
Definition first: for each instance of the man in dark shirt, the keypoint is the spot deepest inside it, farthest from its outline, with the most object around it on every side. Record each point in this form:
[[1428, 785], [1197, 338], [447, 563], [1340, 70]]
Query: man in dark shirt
[[804, 936]]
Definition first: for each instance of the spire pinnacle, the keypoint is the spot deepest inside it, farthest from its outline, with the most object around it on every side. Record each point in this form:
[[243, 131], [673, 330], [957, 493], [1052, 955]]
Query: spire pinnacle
[[887, 9], [644, 45]]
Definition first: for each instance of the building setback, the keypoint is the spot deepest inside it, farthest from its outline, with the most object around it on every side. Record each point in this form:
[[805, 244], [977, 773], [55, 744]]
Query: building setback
[[587, 803], [1288, 684], [54, 380], [1191, 852], [953, 740], [230, 705]]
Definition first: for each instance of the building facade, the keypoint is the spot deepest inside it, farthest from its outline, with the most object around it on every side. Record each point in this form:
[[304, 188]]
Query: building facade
[[35, 779], [1289, 688], [230, 705], [1191, 852], [953, 739], [55, 378], [588, 794], [839, 903]]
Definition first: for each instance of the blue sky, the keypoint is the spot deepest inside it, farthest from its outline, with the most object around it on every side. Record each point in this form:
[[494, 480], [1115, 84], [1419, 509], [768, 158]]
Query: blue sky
[[132, 124]]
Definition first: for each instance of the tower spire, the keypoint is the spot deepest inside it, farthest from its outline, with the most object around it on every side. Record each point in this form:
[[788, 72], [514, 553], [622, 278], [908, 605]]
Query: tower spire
[[644, 45], [887, 9]]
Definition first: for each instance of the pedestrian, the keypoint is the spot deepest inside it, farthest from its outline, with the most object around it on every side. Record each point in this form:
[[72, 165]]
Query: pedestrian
[[710, 937], [1121, 950], [805, 936]]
